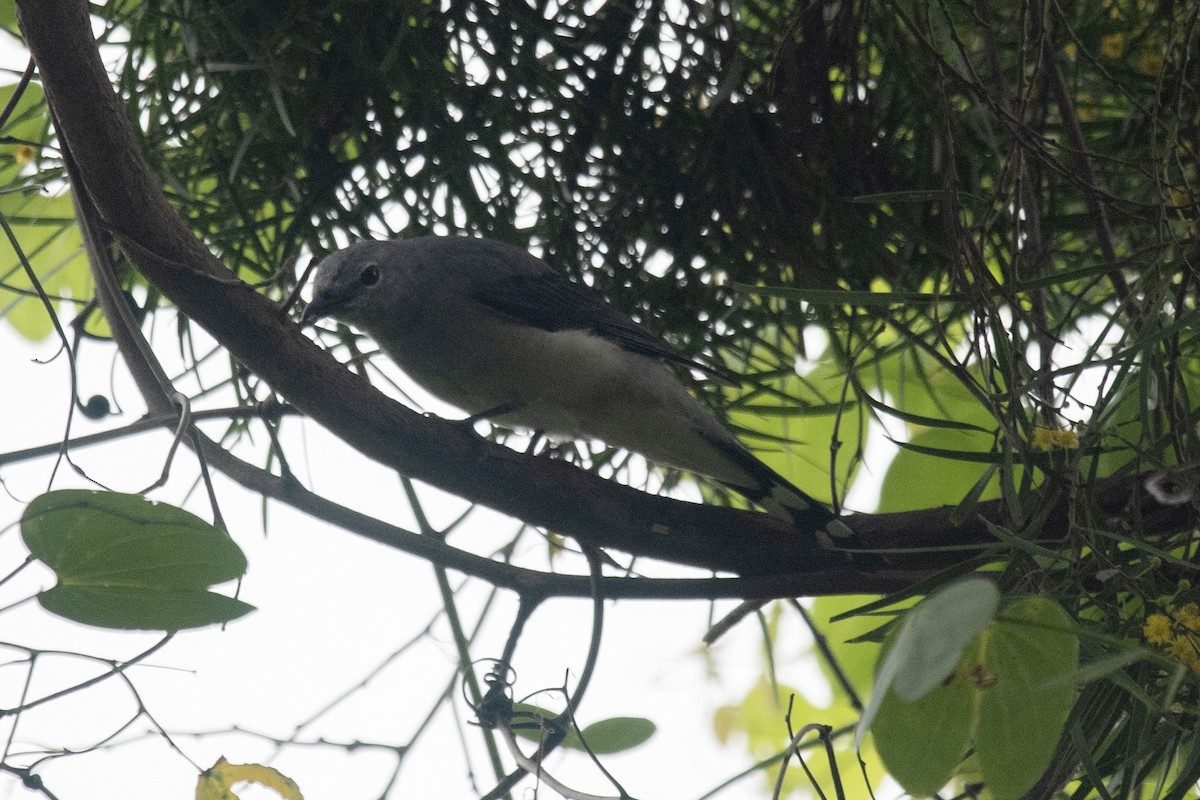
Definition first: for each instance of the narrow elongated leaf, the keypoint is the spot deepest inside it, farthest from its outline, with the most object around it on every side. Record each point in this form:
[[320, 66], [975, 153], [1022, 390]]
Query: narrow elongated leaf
[[532, 723], [920, 419]]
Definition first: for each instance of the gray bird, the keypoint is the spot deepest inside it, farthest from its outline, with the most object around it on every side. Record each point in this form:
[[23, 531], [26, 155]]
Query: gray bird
[[498, 333]]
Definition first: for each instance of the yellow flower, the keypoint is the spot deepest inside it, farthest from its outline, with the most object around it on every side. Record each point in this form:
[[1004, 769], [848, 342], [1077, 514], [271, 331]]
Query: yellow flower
[[1182, 648], [1150, 64], [1113, 45], [24, 154], [1157, 629], [1189, 617], [1048, 439]]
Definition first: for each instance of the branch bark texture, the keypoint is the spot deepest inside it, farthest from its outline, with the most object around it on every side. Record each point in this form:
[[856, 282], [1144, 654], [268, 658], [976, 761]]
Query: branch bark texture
[[129, 199]]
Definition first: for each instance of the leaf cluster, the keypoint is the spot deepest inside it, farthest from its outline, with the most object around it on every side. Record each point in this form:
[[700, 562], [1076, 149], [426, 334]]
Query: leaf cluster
[[986, 210]]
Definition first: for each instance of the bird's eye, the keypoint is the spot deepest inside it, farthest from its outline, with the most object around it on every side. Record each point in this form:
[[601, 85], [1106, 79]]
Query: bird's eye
[[369, 276]]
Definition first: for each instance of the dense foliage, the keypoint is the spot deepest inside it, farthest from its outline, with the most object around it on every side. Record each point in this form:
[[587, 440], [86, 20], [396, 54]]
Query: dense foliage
[[972, 224]]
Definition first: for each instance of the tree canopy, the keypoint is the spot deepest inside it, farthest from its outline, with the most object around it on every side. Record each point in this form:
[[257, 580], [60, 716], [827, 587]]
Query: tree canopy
[[967, 228]]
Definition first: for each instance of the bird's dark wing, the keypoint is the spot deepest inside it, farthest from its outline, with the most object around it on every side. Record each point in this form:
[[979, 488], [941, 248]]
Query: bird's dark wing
[[553, 303]]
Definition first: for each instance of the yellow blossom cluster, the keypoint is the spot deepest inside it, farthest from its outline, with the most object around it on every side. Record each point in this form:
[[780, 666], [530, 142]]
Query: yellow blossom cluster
[[1177, 632], [1049, 439]]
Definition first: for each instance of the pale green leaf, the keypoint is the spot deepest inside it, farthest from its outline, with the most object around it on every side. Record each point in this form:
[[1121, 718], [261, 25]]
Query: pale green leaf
[[1023, 706]]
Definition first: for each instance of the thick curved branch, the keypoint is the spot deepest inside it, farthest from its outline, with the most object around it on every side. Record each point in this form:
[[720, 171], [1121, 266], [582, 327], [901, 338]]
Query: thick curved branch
[[114, 175], [128, 197]]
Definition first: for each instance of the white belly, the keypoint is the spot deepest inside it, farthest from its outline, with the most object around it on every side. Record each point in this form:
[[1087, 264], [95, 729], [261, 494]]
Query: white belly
[[568, 384]]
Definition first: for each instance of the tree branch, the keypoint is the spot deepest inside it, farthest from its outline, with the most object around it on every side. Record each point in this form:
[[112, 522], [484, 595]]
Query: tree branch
[[114, 175]]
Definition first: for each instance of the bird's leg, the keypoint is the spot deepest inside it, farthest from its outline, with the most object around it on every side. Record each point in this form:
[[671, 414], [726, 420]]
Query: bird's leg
[[468, 423], [495, 411]]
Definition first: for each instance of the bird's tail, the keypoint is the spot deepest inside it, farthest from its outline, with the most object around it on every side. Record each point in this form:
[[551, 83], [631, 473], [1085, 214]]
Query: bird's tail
[[776, 495]]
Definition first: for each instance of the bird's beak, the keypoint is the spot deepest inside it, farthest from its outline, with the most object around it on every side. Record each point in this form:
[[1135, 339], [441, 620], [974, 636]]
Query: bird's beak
[[325, 302], [316, 309]]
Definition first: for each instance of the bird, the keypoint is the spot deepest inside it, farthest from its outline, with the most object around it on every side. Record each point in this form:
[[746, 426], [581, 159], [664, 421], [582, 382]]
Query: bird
[[500, 334]]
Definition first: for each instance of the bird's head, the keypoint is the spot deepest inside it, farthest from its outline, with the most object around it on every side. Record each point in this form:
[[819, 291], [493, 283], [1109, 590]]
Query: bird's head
[[352, 282]]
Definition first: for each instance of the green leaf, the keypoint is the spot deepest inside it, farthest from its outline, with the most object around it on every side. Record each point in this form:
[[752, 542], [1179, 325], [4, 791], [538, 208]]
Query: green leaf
[[798, 447], [533, 723], [954, 453], [856, 659], [920, 419], [939, 629], [907, 484], [951, 434], [43, 223], [921, 715], [923, 742], [930, 642], [1009, 694], [761, 717], [1018, 543], [613, 735], [1122, 426], [127, 562], [8, 18], [913, 196], [126, 539], [1022, 708], [140, 608], [29, 122], [616, 734], [757, 715], [51, 241]]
